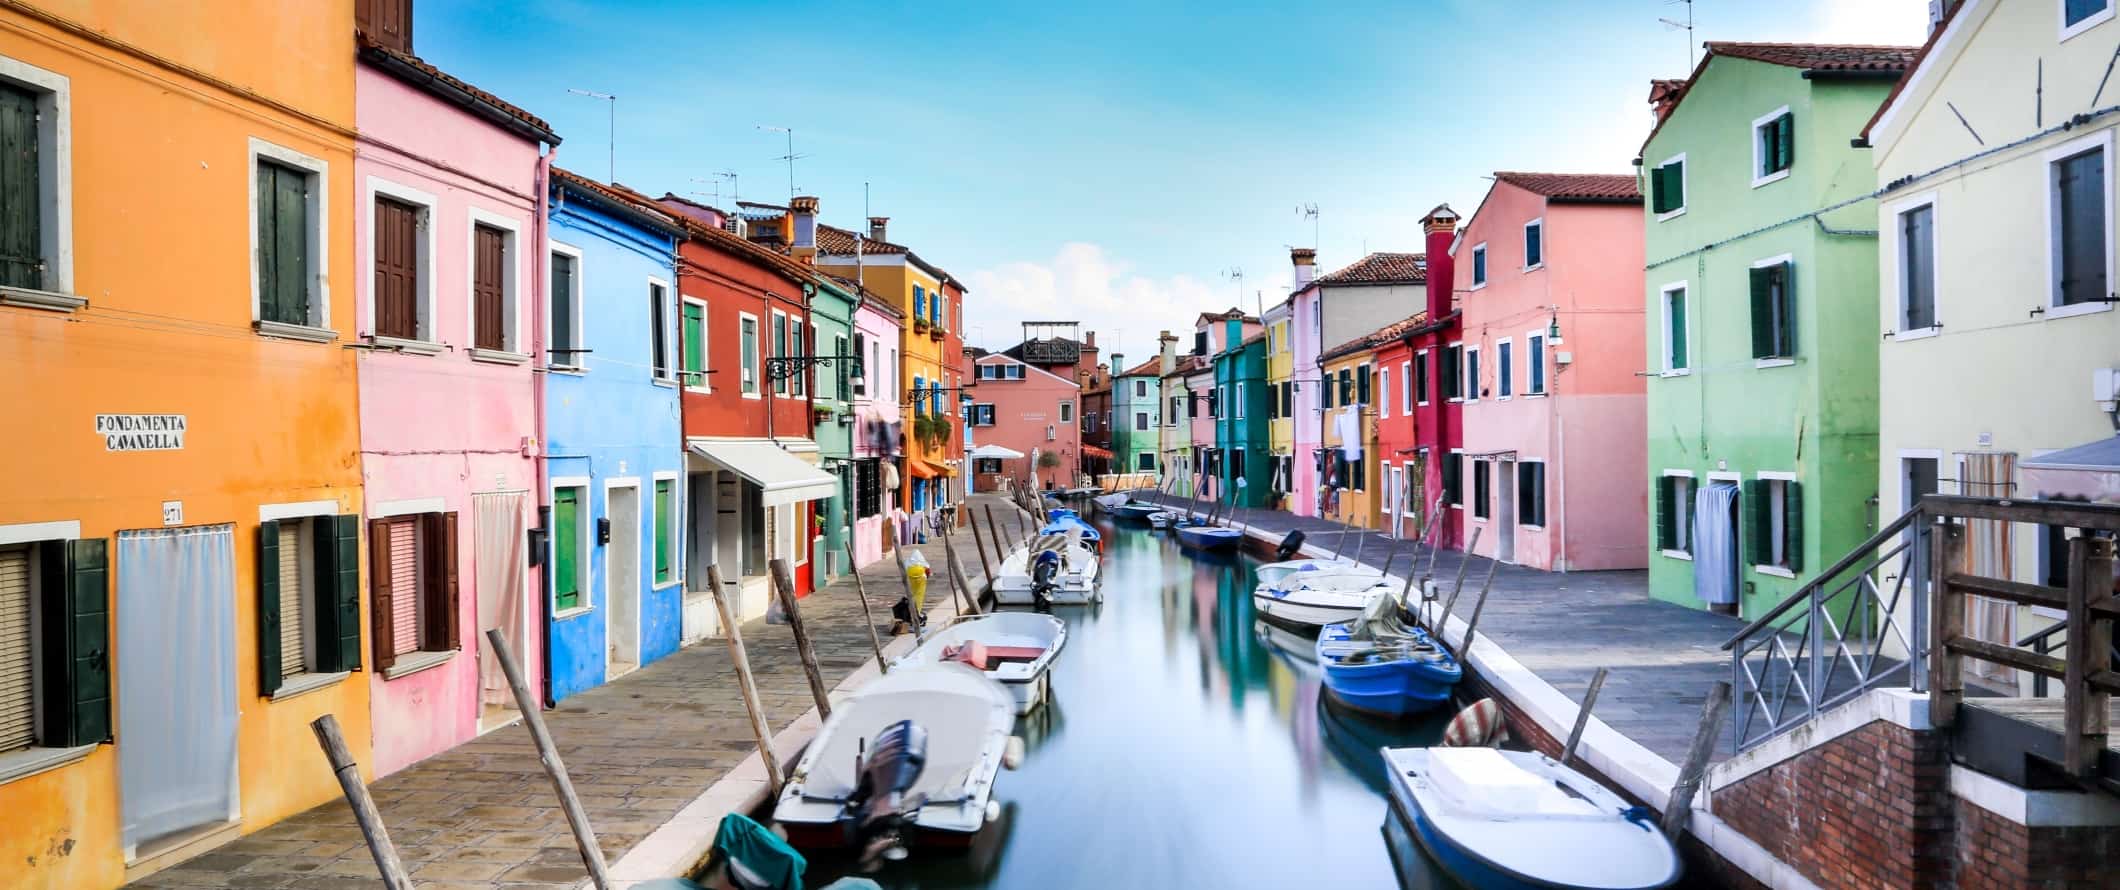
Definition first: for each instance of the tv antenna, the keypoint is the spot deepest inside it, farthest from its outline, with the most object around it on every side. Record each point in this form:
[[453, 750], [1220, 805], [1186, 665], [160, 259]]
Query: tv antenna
[[611, 147], [1236, 274], [791, 157], [1686, 26], [1309, 211]]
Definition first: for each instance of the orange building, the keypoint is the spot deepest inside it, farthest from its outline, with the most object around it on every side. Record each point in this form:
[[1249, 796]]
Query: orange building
[[179, 558]]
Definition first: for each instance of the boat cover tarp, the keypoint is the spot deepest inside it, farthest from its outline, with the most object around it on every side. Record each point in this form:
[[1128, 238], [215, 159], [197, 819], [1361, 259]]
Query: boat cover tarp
[[759, 854]]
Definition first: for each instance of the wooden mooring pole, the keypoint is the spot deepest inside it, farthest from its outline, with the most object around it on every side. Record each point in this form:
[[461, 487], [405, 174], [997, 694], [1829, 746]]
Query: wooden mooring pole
[[1458, 586], [979, 544], [868, 618], [732, 632], [1472, 624], [1582, 716], [1678, 808], [365, 814], [784, 585], [547, 754]]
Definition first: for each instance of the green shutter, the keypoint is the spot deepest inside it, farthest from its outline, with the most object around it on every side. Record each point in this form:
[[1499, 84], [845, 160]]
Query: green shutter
[[1759, 524], [663, 510], [695, 333], [566, 544], [338, 545], [76, 620], [291, 234], [1362, 385], [21, 191], [1785, 275], [1666, 513], [268, 239], [1785, 142], [1762, 312], [1792, 519], [1677, 310], [268, 572]]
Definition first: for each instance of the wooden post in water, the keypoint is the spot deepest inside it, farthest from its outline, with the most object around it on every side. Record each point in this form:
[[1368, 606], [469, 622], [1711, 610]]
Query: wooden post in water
[[534, 720], [1458, 586], [1582, 716], [979, 544], [1472, 624], [868, 618], [784, 585], [733, 633], [365, 814], [958, 583], [1678, 808]]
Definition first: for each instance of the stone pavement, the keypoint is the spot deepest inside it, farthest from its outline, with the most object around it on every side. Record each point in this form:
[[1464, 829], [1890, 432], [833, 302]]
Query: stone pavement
[[483, 816], [1662, 658]]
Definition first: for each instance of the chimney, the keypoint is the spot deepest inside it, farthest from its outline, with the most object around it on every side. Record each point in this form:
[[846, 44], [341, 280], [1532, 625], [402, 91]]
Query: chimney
[[877, 226], [803, 247], [1663, 96], [1441, 226], [1939, 10], [1118, 365], [1089, 340], [1306, 262], [1167, 358]]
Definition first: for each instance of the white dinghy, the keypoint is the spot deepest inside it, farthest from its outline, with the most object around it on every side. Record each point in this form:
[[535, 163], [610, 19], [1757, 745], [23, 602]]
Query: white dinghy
[[1016, 649], [909, 760], [1075, 584], [1313, 599]]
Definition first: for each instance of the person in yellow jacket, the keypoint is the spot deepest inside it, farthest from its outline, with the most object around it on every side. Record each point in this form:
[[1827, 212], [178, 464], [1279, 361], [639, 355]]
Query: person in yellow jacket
[[913, 614]]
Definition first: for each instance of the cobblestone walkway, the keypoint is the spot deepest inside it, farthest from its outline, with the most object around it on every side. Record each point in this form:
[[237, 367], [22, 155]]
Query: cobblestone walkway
[[483, 816]]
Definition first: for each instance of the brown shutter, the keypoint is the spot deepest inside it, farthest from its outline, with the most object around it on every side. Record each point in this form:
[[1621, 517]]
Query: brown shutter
[[396, 269], [487, 272], [438, 619], [388, 23], [382, 601]]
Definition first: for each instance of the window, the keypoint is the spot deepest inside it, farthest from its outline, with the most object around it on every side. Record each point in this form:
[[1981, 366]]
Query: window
[[1917, 268], [385, 22], [1140, 389], [1015, 372], [1479, 265], [1361, 386], [935, 309], [492, 286], [54, 615], [1384, 392], [413, 583], [747, 328], [1240, 400], [1472, 373], [1288, 398], [1531, 493], [403, 251], [1504, 369], [2078, 16], [1067, 412], [36, 226], [1453, 372], [695, 344], [1534, 244], [920, 312], [1674, 306], [1346, 384], [665, 530], [1480, 488], [287, 239], [779, 347], [798, 345], [1774, 517], [2080, 206], [843, 368], [1199, 343], [1535, 363], [1453, 482], [919, 401], [982, 414], [309, 599], [1773, 146], [1773, 310], [1406, 389], [1144, 462], [1420, 377], [1674, 514], [1667, 188], [868, 487], [659, 328], [564, 308], [1140, 421], [857, 377]]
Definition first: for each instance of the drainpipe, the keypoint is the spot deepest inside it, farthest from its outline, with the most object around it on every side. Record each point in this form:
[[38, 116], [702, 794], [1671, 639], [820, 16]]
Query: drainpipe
[[541, 227]]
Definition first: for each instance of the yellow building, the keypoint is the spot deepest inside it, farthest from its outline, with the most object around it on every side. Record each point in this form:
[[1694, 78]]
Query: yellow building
[[930, 353], [192, 405], [1350, 417], [1280, 399]]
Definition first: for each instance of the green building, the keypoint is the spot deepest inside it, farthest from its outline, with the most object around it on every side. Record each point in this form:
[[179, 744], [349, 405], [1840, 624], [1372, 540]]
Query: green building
[[1137, 415], [1762, 319], [832, 303], [1243, 455]]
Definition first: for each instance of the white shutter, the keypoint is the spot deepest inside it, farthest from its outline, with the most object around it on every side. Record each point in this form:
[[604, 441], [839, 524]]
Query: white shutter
[[292, 593], [405, 586], [18, 727]]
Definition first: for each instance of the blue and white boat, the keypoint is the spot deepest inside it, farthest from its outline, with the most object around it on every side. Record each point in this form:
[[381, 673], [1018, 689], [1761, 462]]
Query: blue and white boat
[[1391, 672], [1515, 820], [1136, 511], [1197, 534], [1062, 521]]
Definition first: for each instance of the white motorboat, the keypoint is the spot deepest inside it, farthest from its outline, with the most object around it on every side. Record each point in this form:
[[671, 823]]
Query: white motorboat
[[1075, 584], [1016, 649], [908, 760], [1274, 572], [1114, 499], [1518, 819], [1317, 598], [1163, 519]]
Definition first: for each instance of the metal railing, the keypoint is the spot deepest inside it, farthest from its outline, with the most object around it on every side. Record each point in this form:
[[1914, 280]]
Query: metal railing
[[1836, 637]]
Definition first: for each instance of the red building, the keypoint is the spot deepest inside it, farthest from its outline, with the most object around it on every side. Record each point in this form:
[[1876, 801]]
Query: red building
[[1431, 347], [1402, 464]]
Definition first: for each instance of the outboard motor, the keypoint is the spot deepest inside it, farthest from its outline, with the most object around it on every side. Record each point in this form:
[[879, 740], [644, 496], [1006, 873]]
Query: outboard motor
[[1045, 575], [880, 804], [1290, 546]]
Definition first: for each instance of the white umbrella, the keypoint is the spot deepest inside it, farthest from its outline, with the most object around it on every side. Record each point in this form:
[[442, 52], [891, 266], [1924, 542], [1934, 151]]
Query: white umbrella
[[995, 452]]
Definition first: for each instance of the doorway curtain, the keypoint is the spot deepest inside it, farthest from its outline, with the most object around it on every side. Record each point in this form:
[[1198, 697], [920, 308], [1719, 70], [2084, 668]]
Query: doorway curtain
[[498, 561], [175, 666], [1715, 545], [1988, 550]]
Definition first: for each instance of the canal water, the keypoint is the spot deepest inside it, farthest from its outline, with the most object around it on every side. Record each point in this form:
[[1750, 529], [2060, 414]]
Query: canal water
[[1187, 744]]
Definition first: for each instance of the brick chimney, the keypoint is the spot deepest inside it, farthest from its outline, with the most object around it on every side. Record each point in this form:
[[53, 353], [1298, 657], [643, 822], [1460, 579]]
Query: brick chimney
[[1306, 263], [804, 246], [1441, 226], [1663, 96], [878, 225], [1167, 356]]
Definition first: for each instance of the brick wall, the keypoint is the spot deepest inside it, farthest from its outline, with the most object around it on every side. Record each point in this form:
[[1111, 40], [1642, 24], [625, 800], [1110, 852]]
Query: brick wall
[[1995, 853], [1870, 809]]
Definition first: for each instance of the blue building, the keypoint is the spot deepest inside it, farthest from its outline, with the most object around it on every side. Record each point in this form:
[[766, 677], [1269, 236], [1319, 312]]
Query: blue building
[[614, 463]]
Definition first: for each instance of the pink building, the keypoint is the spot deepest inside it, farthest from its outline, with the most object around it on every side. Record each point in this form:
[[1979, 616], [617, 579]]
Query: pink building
[[1027, 409], [449, 227], [1549, 270], [1199, 387], [876, 424]]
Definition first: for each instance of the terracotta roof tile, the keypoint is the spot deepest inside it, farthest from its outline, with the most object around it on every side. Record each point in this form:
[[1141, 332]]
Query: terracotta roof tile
[[1378, 337], [1820, 56], [1381, 268], [622, 196], [1144, 369], [417, 72], [1187, 364], [1619, 188]]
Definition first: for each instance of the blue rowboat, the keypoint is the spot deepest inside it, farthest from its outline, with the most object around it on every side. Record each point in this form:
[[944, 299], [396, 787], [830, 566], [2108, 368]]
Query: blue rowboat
[[1062, 521], [1133, 511], [1201, 536], [1516, 820], [1397, 672]]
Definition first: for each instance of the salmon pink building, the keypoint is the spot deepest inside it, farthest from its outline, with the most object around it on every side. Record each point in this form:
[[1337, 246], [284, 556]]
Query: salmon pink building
[[1024, 408], [1554, 455], [448, 251]]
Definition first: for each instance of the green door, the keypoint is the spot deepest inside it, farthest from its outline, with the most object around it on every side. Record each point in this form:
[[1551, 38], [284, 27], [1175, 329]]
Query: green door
[[566, 549]]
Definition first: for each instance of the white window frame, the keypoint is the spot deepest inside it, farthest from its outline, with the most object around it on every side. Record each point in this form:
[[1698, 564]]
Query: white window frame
[[427, 337], [677, 529], [2093, 20], [55, 201], [1469, 375], [774, 350], [671, 334], [1778, 175], [1895, 248], [1239, 405], [1141, 422], [1789, 260], [511, 351], [319, 327], [309, 679], [1778, 508], [1503, 372], [2102, 141], [1536, 358], [1663, 311], [1406, 388], [1540, 225], [585, 545], [1421, 355], [38, 758], [1685, 187], [1067, 411], [1693, 484], [574, 362], [706, 344], [751, 364], [1480, 270]]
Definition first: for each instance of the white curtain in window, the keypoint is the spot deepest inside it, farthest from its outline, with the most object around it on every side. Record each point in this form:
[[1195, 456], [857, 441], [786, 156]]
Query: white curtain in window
[[1715, 544], [1987, 555], [498, 561], [175, 664]]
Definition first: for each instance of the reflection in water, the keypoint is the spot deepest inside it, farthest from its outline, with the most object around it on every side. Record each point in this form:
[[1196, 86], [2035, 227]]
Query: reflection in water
[[1146, 768]]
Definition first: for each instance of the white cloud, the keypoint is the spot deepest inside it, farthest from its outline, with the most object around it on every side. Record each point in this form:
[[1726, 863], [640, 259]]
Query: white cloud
[[1083, 283]]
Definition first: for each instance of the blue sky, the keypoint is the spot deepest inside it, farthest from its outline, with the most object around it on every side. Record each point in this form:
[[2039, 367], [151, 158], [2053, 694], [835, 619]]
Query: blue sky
[[1110, 161]]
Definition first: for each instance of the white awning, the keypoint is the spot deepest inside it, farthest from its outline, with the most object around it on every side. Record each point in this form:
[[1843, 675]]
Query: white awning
[[995, 452], [786, 479]]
